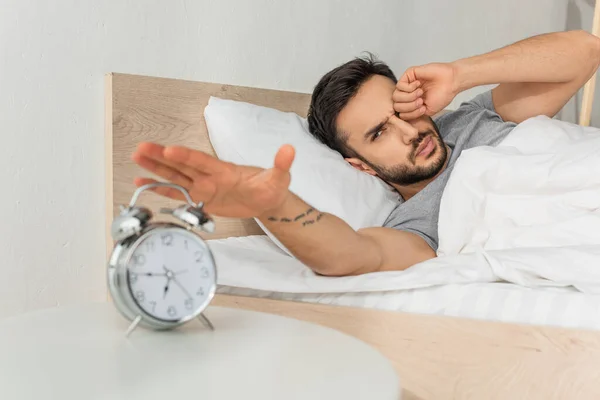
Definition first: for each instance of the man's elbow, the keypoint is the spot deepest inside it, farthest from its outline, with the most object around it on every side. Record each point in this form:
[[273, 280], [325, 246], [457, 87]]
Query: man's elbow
[[339, 268], [331, 272], [348, 268], [592, 45], [336, 270], [596, 48]]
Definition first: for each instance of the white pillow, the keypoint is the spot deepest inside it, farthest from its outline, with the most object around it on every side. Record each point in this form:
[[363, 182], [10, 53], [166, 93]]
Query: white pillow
[[247, 134]]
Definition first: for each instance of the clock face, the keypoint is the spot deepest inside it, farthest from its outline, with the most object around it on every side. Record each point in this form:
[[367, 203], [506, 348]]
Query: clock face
[[171, 274]]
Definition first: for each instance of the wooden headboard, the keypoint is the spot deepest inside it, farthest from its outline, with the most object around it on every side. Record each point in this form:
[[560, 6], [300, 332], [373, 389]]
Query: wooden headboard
[[170, 111]]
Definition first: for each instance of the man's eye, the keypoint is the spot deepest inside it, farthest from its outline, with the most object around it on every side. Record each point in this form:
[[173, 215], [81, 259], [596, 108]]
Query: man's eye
[[376, 135]]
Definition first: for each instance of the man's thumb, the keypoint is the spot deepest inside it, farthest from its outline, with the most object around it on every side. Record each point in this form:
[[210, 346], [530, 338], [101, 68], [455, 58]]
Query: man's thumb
[[284, 158], [409, 75]]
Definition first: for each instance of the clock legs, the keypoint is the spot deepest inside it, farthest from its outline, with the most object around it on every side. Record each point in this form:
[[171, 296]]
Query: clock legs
[[206, 322], [133, 325]]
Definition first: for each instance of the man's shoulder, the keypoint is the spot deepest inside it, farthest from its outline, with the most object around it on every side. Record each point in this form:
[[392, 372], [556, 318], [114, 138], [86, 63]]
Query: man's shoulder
[[474, 123], [479, 103]]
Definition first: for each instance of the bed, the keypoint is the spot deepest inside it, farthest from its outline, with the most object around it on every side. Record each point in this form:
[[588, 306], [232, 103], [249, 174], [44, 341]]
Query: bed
[[170, 111]]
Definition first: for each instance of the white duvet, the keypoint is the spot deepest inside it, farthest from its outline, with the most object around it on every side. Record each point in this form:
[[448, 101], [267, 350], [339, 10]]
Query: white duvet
[[525, 212]]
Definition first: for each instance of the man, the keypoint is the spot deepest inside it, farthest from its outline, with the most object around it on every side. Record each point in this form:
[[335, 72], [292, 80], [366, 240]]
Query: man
[[384, 128]]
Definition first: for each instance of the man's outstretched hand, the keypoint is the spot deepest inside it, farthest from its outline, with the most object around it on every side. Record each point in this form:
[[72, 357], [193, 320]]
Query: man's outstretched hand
[[227, 189], [425, 90]]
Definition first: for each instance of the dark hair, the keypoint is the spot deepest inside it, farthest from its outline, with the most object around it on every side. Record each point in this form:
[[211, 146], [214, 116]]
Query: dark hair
[[332, 94]]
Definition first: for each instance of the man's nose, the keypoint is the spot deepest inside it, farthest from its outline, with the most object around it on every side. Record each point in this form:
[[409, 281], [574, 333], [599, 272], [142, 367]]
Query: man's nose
[[407, 131]]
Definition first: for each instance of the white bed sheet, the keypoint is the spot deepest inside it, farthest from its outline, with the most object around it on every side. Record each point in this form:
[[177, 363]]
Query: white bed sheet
[[253, 266], [497, 301]]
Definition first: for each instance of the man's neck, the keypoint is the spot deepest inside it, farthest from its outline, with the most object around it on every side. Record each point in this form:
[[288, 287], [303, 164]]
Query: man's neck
[[409, 191]]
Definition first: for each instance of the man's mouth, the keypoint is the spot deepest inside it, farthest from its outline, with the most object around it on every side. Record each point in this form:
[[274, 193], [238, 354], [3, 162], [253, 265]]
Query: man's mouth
[[426, 147]]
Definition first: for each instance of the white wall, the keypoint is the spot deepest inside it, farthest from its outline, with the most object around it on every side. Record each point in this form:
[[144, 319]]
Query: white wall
[[54, 55]]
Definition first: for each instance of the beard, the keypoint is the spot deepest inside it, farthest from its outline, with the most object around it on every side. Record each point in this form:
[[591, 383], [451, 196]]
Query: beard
[[409, 174]]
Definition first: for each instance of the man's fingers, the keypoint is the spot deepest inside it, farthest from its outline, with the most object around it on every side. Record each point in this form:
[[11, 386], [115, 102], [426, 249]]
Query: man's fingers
[[408, 107], [406, 97], [409, 116], [408, 86], [162, 170], [402, 97], [156, 153], [198, 160], [161, 190], [152, 150]]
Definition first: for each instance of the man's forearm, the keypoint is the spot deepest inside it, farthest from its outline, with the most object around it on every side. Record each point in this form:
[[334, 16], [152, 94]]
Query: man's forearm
[[554, 57], [320, 240]]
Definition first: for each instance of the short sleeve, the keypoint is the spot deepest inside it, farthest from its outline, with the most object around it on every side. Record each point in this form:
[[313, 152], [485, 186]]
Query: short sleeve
[[482, 101], [474, 123], [419, 215]]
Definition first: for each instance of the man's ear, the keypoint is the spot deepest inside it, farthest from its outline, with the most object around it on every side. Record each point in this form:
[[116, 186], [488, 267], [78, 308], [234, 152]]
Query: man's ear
[[361, 166]]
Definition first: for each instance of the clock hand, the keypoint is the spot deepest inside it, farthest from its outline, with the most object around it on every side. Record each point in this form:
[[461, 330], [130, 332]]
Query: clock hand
[[167, 287], [152, 274], [182, 288]]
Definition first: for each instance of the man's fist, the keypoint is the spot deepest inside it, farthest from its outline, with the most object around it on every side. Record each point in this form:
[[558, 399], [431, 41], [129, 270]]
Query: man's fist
[[425, 90]]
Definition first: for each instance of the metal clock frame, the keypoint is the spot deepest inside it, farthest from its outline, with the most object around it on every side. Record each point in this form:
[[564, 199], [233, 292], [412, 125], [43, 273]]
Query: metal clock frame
[[124, 249]]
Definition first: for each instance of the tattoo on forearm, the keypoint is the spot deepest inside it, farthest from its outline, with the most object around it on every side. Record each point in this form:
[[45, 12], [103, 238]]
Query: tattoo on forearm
[[312, 221], [297, 218]]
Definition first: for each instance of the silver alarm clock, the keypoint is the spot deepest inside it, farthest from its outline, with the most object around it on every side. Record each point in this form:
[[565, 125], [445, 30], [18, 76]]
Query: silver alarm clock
[[161, 275]]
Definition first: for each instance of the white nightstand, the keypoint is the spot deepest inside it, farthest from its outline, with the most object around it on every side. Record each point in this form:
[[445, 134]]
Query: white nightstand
[[82, 353]]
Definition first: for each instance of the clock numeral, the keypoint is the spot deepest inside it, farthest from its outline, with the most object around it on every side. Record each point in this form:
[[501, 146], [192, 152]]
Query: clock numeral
[[140, 296], [189, 303], [199, 255], [167, 239], [153, 303], [204, 272], [139, 260], [133, 277], [200, 292], [185, 244], [149, 246], [171, 311]]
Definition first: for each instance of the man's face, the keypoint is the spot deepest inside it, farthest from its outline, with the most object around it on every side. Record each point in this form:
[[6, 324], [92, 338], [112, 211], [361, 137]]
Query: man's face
[[397, 151]]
